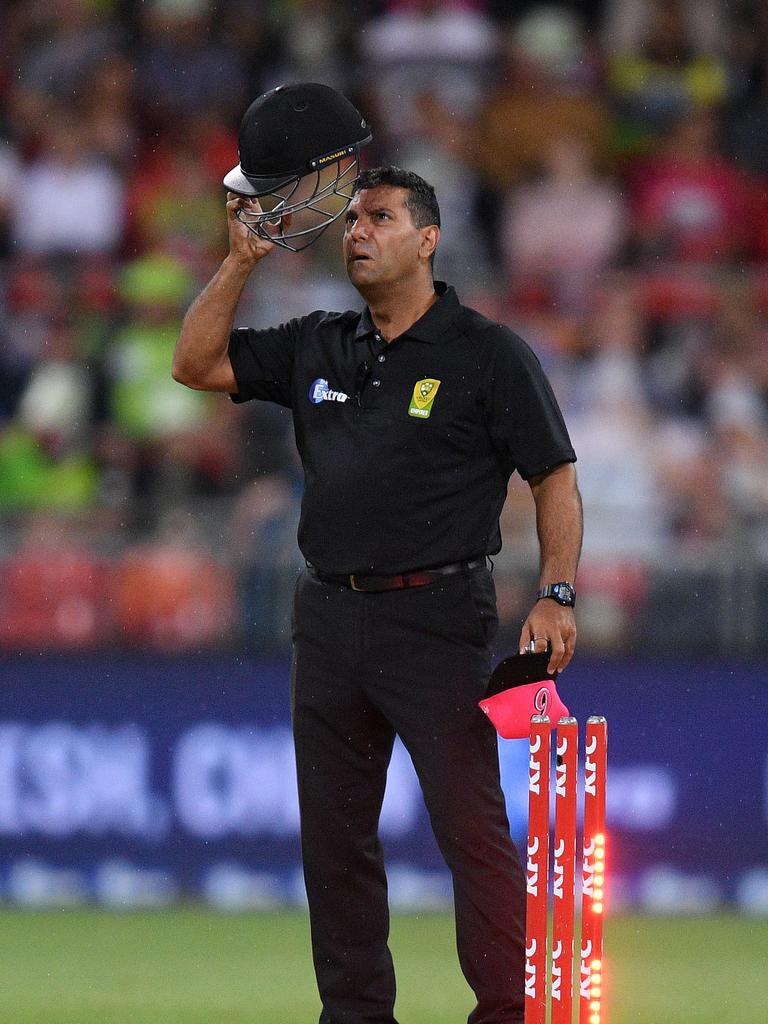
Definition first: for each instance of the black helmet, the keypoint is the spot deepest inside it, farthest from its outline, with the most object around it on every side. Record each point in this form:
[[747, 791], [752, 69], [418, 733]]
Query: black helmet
[[286, 135]]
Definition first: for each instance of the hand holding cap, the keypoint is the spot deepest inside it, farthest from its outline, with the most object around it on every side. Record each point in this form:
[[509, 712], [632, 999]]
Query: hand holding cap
[[519, 688]]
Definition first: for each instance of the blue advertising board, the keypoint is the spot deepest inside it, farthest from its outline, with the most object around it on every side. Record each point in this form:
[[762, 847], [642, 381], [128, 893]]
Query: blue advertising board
[[134, 780]]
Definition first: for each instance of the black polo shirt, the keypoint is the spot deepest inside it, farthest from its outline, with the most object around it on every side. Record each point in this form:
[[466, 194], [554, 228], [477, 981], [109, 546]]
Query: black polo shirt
[[407, 446]]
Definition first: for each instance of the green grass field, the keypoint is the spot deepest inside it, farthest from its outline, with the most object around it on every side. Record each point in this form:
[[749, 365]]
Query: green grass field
[[189, 966]]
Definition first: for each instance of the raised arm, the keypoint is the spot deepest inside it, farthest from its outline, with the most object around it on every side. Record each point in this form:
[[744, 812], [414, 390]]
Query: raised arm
[[201, 360], [559, 523]]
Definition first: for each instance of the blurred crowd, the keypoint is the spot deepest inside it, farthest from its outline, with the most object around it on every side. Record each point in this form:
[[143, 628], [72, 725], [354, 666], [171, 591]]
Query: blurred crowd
[[602, 171]]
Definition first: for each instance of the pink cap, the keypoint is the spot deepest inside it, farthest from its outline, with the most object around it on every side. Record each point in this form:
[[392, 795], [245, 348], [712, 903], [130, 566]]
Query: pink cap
[[521, 687], [511, 710]]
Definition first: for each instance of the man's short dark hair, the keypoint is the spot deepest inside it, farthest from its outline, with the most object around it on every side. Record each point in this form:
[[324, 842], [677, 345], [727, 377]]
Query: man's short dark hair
[[421, 201]]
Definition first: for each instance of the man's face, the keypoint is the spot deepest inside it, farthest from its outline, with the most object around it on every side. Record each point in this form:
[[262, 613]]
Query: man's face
[[381, 243]]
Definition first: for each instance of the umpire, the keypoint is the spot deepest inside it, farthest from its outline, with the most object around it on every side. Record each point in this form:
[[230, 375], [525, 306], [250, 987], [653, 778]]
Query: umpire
[[410, 417]]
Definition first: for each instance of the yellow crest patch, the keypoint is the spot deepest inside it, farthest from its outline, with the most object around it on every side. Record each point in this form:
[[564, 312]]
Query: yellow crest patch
[[423, 396]]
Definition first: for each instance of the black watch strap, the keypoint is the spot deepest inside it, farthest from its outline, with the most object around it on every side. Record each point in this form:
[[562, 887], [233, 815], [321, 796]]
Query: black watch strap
[[563, 592]]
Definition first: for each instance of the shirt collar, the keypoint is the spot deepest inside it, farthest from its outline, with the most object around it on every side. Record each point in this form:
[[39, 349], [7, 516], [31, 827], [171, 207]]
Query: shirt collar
[[431, 326]]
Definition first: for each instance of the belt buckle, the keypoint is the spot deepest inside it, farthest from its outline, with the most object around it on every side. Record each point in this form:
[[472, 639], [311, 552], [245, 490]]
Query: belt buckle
[[353, 583]]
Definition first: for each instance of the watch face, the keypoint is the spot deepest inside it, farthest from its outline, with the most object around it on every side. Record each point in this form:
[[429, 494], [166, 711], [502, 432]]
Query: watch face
[[563, 593]]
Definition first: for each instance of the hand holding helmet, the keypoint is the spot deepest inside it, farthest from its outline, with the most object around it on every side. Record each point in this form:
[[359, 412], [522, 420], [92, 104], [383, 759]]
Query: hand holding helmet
[[299, 156], [245, 246]]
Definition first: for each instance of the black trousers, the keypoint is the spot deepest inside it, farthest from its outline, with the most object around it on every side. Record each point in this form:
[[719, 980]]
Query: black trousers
[[412, 663]]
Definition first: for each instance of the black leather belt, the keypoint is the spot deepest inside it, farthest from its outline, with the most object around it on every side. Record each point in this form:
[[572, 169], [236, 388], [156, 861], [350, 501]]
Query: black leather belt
[[401, 581]]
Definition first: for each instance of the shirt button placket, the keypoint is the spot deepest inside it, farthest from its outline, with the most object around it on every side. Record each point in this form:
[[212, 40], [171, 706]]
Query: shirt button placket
[[380, 358]]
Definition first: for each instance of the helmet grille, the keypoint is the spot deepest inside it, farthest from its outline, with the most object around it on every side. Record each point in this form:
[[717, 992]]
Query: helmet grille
[[296, 215]]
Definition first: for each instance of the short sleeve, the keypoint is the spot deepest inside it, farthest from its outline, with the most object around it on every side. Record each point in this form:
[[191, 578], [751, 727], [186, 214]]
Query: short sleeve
[[262, 362], [522, 415]]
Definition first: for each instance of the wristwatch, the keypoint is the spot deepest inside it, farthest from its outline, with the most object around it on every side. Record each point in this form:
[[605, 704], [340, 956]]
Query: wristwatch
[[563, 593]]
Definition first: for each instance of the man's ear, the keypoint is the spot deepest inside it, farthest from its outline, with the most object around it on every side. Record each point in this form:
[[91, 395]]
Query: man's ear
[[430, 236]]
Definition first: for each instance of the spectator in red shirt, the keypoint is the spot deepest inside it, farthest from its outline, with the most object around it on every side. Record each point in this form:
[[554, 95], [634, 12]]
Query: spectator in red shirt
[[689, 204]]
